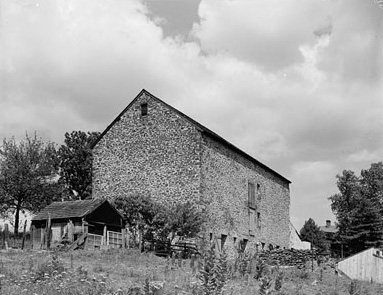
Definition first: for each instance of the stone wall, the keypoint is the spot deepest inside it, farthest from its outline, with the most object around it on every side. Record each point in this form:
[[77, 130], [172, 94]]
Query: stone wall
[[168, 157], [225, 176], [157, 154]]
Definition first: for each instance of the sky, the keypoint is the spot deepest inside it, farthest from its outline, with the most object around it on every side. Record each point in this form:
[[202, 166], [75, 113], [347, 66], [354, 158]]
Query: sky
[[296, 84]]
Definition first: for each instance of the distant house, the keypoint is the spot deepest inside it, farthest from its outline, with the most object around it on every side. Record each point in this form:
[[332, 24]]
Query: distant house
[[330, 232], [366, 266], [155, 150], [93, 220]]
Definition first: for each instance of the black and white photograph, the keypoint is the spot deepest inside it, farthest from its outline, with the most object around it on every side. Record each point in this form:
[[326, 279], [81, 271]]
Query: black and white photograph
[[202, 147]]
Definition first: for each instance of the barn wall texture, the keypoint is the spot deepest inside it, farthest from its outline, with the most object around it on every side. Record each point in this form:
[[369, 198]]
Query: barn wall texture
[[168, 157], [156, 155], [225, 177]]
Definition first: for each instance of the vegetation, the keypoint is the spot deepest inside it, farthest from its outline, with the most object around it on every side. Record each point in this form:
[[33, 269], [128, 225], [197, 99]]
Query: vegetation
[[153, 220], [358, 208], [27, 176], [75, 161], [126, 272], [311, 232]]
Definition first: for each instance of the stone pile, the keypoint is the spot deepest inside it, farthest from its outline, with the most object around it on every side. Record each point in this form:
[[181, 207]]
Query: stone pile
[[288, 257]]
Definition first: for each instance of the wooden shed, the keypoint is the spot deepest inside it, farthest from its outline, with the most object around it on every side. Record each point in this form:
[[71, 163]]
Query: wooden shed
[[365, 266], [85, 223]]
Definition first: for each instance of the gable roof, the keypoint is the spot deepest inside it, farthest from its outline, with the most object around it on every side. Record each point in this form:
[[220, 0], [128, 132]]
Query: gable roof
[[69, 209], [199, 126], [329, 229]]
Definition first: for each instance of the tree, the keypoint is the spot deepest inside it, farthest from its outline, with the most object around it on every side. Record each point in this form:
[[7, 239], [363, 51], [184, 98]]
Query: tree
[[358, 208], [185, 220], [310, 232], [152, 219], [28, 171], [75, 161]]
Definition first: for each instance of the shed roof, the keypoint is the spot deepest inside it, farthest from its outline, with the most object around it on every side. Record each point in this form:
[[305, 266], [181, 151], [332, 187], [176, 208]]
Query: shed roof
[[199, 126], [69, 209]]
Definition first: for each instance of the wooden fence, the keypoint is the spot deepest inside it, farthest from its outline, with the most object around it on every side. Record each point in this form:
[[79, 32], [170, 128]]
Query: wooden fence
[[9, 240]]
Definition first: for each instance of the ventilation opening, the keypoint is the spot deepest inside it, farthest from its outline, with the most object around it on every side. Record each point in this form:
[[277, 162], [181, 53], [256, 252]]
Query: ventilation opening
[[144, 109]]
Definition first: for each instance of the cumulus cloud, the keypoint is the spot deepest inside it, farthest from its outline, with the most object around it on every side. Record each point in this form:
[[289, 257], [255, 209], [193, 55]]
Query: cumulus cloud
[[285, 82]]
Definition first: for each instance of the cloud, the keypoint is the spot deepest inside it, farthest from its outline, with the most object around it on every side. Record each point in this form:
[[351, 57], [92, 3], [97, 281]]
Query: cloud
[[278, 80], [365, 156], [266, 33]]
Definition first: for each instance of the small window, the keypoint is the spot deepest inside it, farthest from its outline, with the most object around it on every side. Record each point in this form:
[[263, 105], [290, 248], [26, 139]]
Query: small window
[[144, 109], [210, 236], [258, 219], [223, 240], [242, 245], [251, 194], [258, 191]]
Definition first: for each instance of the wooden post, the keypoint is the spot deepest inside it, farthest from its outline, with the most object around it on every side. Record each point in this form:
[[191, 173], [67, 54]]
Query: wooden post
[[25, 227], [84, 226], [48, 229], [42, 236], [123, 238], [104, 238], [70, 231], [2, 238], [6, 236]]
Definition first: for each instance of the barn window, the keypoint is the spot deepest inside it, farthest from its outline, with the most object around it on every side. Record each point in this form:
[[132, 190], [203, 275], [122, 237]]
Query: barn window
[[144, 109], [223, 240], [251, 194], [242, 245]]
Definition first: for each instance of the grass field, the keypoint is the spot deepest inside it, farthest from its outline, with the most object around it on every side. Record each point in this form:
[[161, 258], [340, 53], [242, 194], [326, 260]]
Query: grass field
[[130, 272]]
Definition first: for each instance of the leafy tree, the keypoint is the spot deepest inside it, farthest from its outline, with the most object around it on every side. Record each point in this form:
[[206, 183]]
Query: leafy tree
[[28, 171], [359, 208], [185, 220], [311, 232], [75, 161], [142, 214]]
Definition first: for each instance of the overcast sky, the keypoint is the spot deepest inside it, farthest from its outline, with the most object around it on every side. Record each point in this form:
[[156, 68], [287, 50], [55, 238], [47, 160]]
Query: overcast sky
[[296, 84]]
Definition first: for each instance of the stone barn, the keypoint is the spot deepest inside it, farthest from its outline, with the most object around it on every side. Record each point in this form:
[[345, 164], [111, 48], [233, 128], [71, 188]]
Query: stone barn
[[94, 223], [153, 149]]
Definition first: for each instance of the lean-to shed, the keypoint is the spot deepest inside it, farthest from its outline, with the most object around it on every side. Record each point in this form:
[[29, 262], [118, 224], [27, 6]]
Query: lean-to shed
[[365, 266], [91, 220]]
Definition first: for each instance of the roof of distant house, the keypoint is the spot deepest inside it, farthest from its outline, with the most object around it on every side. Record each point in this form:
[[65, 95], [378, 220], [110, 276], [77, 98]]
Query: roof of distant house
[[329, 228], [69, 209], [199, 126]]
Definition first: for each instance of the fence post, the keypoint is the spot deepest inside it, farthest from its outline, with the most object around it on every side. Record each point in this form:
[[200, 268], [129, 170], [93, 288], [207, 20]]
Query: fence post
[[104, 237], [48, 229], [123, 238], [6, 236], [25, 227], [70, 231]]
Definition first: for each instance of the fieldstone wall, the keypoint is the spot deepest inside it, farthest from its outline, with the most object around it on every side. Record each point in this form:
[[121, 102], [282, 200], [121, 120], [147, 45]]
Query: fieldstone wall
[[166, 156], [157, 155], [224, 188]]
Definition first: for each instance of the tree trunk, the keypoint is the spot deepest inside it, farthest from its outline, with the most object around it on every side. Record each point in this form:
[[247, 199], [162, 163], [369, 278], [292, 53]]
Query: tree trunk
[[17, 220]]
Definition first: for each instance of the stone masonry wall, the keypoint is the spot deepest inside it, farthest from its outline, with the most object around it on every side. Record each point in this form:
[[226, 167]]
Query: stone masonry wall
[[224, 187], [157, 155]]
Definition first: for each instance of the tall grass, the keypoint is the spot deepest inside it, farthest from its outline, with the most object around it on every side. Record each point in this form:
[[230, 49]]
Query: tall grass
[[131, 272]]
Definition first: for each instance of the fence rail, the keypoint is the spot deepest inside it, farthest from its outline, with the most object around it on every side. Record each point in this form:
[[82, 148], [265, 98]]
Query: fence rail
[[94, 241], [114, 239]]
